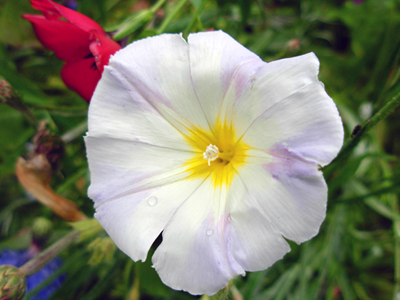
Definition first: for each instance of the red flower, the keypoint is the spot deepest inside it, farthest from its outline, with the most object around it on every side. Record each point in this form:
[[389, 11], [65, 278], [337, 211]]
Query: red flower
[[76, 39]]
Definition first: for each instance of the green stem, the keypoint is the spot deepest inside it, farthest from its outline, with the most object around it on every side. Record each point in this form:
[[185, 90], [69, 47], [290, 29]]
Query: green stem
[[170, 16], [37, 263], [157, 6], [368, 125], [16, 103], [30, 117], [396, 227], [393, 199], [78, 131], [195, 19], [137, 22]]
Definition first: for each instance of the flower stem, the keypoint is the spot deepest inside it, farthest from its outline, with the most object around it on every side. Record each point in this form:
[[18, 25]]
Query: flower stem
[[195, 19], [157, 6], [37, 263], [137, 22], [78, 131], [172, 15], [368, 125]]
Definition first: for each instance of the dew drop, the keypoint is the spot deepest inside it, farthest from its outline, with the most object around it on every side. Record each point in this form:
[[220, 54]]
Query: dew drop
[[210, 232], [152, 201]]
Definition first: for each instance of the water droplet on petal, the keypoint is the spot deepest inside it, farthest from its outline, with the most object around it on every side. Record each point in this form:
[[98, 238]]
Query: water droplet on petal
[[210, 232], [152, 201]]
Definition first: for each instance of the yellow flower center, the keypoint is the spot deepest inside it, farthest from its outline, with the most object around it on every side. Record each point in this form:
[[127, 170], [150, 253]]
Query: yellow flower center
[[218, 154]]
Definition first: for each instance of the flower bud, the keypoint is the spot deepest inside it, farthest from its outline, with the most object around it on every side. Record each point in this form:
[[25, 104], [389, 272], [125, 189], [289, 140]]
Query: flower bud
[[47, 143], [41, 230], [5, 90], [41, 227], [103, 250], [12, 283], [9, 96]]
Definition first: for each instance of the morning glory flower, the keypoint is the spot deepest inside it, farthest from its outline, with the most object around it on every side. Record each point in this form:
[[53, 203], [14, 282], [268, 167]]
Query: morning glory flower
[[203, 142]]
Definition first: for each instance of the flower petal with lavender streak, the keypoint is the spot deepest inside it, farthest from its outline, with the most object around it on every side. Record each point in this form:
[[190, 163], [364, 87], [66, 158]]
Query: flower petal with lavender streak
[[138, 168], [162, 79], [143, 214], [255, 240], [270, 84], [194, 254], [215, 59], [200, 253], [121, 112], [303, 126], [295, 198]]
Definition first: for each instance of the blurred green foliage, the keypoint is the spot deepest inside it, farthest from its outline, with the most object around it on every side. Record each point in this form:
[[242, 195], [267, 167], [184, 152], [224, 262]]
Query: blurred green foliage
[[357, 252]]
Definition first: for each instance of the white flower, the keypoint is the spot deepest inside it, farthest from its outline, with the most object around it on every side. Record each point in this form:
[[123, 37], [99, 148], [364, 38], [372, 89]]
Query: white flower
[[164, 110]]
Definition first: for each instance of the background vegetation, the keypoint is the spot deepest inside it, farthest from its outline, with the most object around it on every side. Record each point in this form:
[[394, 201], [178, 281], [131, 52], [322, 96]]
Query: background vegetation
[[357, 252]]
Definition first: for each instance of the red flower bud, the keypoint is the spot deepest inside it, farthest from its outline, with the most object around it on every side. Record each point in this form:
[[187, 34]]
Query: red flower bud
[[75, 39]]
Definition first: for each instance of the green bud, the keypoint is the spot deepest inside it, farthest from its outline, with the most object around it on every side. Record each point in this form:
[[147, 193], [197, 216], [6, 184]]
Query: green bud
[[12, 283], [7, 94], [41, 230], [41, 227], [10, 97], [88, 229], [103, 250]]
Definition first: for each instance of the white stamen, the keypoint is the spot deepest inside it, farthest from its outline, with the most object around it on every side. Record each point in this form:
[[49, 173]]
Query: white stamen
[[211, 153]]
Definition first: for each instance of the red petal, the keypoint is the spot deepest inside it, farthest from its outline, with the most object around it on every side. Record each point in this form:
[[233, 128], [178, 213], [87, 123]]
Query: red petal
[[82, 77], [67, 41], [53, 10], [102, 47], [47, 8]]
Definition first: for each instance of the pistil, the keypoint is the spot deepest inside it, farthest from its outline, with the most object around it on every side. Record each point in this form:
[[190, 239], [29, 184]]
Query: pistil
[[211, 153]]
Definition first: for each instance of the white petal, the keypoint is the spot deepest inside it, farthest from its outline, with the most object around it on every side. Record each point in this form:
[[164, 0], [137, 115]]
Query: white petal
[[291, 194], [306, 126], [194, 255], [119, 167], [254, 241], [158, 68], [135, 221], [271, 84], [117, 110], [215, 58]]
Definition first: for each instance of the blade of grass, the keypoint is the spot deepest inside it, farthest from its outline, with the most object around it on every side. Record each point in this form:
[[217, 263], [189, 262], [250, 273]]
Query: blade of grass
[[367, 126], [171, 16], [195, 19]]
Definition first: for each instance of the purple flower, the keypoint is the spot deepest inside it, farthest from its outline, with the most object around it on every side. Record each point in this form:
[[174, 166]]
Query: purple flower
[[19, 258]]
